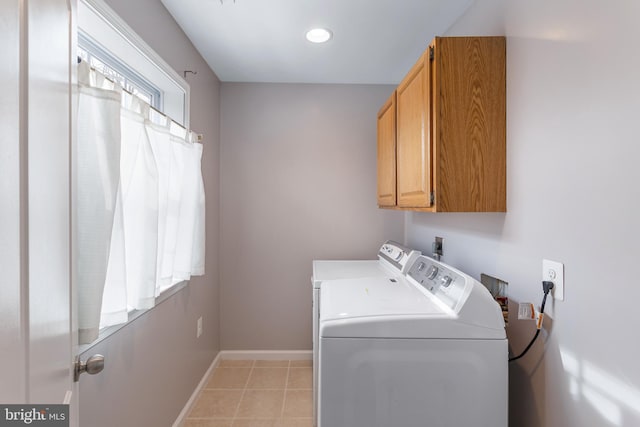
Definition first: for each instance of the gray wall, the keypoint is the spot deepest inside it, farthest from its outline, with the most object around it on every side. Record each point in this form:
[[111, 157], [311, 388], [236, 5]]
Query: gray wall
[[573, 97], [298, 181], [154, 364]]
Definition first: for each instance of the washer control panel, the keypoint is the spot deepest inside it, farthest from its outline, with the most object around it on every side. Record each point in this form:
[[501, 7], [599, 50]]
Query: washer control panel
[[438, 279]]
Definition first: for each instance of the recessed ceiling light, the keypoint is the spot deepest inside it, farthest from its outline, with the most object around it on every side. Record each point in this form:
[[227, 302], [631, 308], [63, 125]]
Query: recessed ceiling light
[[319, 35]]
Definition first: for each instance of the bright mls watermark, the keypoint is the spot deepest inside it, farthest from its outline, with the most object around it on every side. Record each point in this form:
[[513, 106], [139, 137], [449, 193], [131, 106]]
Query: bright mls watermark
[[34, 415]]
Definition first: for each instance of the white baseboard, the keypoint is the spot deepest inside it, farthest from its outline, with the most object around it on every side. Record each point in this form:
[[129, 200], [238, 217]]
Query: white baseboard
[[182, 416], [239, 355], [266, 354]]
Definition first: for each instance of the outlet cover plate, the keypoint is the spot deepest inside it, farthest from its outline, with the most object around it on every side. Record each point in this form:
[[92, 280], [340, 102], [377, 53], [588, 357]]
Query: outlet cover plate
[[554, 271], [199, 327]]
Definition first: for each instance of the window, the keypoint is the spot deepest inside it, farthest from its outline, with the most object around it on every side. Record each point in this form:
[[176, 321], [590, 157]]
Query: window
[[110, 66], [110, 47], [105, 39]]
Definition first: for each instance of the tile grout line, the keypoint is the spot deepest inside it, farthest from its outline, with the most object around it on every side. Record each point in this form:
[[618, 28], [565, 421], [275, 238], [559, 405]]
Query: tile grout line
[[286, 385], [252, 369], [244, 390]]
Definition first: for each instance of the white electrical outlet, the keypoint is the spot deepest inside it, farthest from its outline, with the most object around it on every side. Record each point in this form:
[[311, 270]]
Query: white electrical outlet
[[199, 327], [553, 271]]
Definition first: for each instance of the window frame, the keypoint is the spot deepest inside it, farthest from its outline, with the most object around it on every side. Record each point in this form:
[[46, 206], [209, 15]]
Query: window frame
[[98, 23]]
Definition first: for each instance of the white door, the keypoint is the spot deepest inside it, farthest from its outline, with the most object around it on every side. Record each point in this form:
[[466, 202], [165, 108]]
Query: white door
[[37, 343]]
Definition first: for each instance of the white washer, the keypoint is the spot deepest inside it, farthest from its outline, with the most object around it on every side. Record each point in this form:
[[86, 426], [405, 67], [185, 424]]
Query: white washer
[[428, 349], [393, 260]]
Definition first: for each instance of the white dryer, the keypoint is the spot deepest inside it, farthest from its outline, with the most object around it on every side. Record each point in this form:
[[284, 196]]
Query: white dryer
[[428, 349], [393, 261]]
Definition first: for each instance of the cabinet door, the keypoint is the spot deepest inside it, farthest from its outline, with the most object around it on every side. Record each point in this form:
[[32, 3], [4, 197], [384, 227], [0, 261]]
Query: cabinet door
[[470, 138], [413, 137], [387, 153]]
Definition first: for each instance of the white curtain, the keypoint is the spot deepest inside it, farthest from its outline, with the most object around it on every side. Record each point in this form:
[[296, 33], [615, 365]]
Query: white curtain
[[139, 207], [139, 186], [97, 173], [197, 253], [160, 141]]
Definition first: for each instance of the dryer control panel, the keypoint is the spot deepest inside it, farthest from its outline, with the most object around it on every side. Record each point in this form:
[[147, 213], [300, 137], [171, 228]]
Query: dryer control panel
[[439, 279], [397, 255]]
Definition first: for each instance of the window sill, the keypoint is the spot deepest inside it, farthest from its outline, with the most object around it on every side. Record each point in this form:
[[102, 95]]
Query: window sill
[[133, 315]]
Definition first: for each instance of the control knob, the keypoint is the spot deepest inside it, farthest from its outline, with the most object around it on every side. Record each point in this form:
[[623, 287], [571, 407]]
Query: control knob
[[446, 281], [432, 273]]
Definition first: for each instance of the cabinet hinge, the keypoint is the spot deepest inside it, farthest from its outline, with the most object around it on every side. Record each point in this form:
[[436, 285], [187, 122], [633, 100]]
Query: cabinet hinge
[[431, 52], [432, 198]]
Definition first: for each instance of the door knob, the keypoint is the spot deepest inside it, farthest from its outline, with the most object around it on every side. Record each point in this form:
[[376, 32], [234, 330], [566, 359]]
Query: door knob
[[93, 365]]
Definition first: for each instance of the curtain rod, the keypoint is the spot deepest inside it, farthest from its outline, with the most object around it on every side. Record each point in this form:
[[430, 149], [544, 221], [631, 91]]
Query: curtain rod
[[199, 136]]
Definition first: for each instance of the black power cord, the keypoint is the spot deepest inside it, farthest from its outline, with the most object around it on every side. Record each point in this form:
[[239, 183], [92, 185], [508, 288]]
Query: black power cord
[[546, 287]]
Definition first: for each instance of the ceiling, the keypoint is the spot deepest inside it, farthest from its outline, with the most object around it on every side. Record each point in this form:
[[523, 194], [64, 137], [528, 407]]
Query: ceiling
[[374, 41]]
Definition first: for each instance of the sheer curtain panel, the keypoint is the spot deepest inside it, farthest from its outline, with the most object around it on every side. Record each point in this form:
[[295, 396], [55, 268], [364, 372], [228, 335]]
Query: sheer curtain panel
[[139, 186], [140, 204], [97, 165]]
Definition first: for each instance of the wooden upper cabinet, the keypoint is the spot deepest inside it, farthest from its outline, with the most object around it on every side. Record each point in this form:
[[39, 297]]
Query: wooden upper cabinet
[[451, 128], [413, 144], [387, 153], [469, 109]]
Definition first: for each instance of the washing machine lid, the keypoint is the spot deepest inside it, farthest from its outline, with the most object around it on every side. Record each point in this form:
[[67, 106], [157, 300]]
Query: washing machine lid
[[383, 307], [375, 296], [324, 270]]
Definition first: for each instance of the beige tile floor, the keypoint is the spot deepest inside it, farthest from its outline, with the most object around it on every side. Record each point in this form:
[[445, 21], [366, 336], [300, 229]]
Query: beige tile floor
[[256, 393]]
